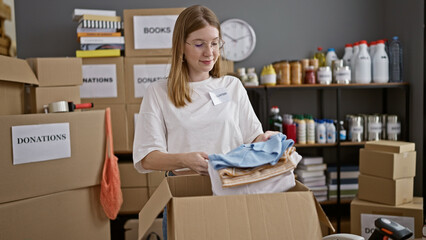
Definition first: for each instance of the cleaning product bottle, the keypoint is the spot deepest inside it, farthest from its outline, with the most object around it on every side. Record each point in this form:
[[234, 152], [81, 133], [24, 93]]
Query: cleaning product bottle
[[268, 76], [301, 130], [330, 57], [331, 131], [363, 64], [320, 56], [380, 64], [252, 79], [321, 132], [310, 129], [354, 56], [275, 120], [348, 55]]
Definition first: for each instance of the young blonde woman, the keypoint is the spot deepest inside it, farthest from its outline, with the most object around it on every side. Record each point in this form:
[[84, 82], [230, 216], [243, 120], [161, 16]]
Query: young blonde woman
[[196, 112]]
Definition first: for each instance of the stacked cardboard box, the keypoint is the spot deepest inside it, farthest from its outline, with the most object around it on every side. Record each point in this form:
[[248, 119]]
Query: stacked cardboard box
[[59, 80], [386, 181]]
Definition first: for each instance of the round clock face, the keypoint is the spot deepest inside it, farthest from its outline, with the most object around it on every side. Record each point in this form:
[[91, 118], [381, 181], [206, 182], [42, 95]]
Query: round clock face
[[239, 38]]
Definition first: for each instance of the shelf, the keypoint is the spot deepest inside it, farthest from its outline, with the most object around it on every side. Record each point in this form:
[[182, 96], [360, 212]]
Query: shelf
[[335, 85], [298, 145], [334, 201], [352, 143]]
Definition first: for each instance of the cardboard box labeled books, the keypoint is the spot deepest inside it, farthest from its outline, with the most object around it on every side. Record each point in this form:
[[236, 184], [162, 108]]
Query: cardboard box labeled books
[[363, 214], [103, 80], [193, 212], [40, 96], [57, 72], [14, 74], [390, 146], [384, 190], [74, 214], [82, 169], [387, 164]]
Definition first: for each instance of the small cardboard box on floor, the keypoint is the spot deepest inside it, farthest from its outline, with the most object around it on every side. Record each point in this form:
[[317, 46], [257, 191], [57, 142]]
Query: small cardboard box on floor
[[14, 74], [363, 214], [48, 153], [73, 214], [193, 213]]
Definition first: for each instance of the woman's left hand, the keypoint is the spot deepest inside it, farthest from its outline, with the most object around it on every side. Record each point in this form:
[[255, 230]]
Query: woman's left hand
[[265, 136]]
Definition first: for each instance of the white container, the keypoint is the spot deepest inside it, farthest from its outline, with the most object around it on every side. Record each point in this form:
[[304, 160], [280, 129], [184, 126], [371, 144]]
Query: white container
[[301, 131], [321, 132], [252, 79], [331, 131], [324, 75], [330, 57], [363, 64], [353, 62], [343, 75], [380, 64], [310, 130], [348, 55]]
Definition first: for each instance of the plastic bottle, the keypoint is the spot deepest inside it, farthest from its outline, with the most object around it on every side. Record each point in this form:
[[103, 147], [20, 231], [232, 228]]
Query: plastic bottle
[[275, 120], [363, 64], [310, 129], [321, 132], [348, 55], [320, 56], [289, 127], [373, 47], [301, 130], [268, 76], [353, 62], [252, 79], [395, 60], [342, 131], [330, 57], [242, 75], [380, 64], [331, 131]]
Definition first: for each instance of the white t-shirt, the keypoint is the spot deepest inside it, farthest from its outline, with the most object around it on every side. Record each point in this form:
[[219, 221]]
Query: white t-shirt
[[200, 126]]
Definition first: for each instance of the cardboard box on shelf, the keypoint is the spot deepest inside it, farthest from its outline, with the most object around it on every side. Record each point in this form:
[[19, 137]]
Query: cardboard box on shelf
[[132, 112], [73, 214], [140, 72], [40, 96], [140, 26], [387, 164], [14, 74], [154, 232], [194, 212], [384, 190], [134, 198], [363, 214], [57, 71], [119, 125], [103, 80], [78, 153], [390, 146], [130, 177]]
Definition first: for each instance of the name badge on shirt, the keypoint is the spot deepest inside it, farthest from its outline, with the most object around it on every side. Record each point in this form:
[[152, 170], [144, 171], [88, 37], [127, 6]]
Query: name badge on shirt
[[219, 96]]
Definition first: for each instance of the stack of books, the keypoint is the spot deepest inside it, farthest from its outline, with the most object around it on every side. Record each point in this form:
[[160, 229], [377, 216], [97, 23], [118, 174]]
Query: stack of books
[[348, 181], [99, 33], [310, 172]]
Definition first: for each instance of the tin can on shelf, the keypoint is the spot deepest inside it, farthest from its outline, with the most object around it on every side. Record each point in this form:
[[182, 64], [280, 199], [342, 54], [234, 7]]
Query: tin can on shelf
[[393, 128], [374, 127], [343, 75], [357, 128], [336, 65], [324, 75]]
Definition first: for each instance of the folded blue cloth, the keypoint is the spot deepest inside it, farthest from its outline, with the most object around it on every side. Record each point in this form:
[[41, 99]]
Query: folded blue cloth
[[253, 154]]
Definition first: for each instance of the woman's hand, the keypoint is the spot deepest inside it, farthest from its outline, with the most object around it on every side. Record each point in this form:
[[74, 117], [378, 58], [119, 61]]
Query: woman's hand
[[265, 136], [197, 161]]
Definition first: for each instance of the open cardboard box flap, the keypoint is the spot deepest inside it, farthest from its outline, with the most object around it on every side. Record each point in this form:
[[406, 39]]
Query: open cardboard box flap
[[16, 70], [194, 212]]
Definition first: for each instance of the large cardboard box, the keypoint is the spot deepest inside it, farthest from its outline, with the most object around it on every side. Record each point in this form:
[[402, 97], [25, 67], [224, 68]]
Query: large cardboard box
[[193, 213], [118, 124], [387, 164], [363, 214], [132, 114], [149, 32], [103, 80], [74, 214], [14, 74], [384, 190], [40, 96], [82, 169], [390, 146], [58, 71], [155, 232], [134, 198], [140, 72], [130, 177]]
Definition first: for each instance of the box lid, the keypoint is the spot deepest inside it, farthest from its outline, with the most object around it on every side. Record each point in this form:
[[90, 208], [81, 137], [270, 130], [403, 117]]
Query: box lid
[[193, 191], [390, 146], [16, 70]]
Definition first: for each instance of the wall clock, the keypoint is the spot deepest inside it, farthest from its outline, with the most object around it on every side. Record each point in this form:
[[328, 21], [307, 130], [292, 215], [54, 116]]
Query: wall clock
[[240, 39]]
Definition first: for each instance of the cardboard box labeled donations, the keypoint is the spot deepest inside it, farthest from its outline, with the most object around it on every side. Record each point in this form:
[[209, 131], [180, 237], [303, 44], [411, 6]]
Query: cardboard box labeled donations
[[363, 213], [192, 213], [74, 214], [86, 144], [14, 74], [40, 96]]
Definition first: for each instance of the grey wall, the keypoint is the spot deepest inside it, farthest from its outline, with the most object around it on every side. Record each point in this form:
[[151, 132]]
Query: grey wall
[[285, 29]]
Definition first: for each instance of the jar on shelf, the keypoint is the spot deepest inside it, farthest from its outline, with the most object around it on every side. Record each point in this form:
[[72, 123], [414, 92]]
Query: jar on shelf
[[296, 72], [324, 75], [374, 128], [310, 75], [357, 129]]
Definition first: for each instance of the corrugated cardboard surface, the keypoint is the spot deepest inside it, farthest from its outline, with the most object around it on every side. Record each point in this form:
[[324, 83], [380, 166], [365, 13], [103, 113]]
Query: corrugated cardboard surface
[[129, 37], [56, 72], [40, 96], [130, 177], [194, 214], [154, 232], [129, 63], [384, 190], [119, 62], [387, 165], [119, 125], [133, 199], [11, 98], [16, 70], [75, 214], [412, 209], [131, 109], [390, 146], [83, 169]]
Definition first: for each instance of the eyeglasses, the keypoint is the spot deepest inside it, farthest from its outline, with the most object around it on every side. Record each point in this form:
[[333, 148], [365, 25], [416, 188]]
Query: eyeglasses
[[201, 45]]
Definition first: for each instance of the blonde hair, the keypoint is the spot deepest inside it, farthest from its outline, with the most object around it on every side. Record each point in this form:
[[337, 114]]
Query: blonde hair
[[191, 19]]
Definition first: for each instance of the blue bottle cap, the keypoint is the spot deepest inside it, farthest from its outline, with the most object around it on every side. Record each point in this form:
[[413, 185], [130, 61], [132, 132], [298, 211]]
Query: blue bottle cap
[[331, 49], [395, 38]]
